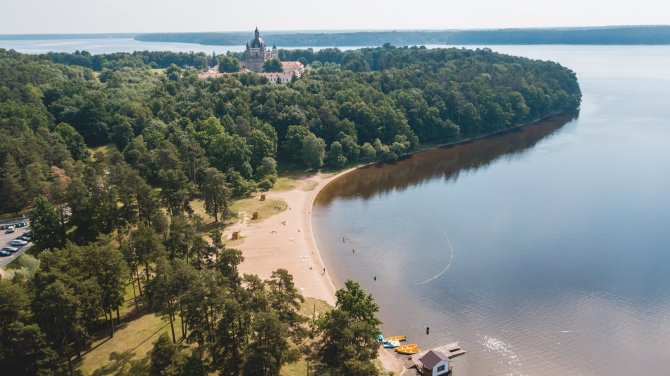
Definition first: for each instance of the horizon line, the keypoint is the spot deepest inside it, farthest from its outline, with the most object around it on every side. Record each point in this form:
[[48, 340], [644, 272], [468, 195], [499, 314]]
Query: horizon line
[[335, 31]]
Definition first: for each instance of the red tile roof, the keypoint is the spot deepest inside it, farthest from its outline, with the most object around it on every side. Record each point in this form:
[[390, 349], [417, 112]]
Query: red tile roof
[[293, 65]]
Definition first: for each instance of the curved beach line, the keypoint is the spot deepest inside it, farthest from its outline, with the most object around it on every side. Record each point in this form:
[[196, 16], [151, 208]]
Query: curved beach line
[[309, 233]]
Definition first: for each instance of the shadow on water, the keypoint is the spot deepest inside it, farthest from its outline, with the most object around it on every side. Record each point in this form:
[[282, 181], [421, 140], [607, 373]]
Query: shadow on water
[[445, 162]]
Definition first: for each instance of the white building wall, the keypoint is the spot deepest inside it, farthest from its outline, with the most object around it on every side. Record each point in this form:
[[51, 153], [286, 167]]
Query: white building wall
[[444, 363]]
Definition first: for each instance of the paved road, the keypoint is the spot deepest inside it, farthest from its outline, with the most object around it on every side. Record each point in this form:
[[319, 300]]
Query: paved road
[[6, 238]]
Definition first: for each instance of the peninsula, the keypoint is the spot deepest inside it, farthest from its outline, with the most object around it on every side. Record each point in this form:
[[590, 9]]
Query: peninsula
[[157, 207]]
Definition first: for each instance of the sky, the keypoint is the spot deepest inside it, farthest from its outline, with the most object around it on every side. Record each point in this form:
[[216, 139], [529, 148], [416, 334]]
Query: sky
[[137, 16]]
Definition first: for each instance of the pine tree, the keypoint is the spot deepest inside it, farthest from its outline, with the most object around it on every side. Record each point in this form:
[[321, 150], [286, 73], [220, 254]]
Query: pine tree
[[12, 193], [348, 335], [165, 357], [216, 193]]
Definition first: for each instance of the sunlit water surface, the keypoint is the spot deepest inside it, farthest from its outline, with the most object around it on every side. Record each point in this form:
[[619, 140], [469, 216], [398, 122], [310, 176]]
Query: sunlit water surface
[[545, 251]]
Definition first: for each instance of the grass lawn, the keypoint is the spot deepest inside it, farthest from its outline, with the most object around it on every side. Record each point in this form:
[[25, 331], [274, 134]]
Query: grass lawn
[[243, 209], [308, 308], [104, 149], [284, 183], [298, 368], [198, 207], [312, 306], [128, 351], [309, 186]]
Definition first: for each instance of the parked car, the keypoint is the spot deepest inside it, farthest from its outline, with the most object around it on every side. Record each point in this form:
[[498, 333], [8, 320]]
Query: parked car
[[4, 253], [10, 249], [18, 242], [24, 237], [10, 229], [22, 224]]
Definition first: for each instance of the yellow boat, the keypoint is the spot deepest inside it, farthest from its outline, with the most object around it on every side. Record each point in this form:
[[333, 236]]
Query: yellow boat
[[395, 338], [408, 349]]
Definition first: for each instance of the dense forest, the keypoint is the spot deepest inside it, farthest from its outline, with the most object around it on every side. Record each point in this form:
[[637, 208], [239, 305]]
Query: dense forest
[[103, 222], [171, 127], [582, 35]]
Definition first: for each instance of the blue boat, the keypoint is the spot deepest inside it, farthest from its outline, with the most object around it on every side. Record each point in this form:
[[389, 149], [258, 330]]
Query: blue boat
[[391, 344]]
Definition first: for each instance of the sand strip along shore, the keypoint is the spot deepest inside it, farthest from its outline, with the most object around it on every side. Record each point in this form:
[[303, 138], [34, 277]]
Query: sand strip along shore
[[285, 240]]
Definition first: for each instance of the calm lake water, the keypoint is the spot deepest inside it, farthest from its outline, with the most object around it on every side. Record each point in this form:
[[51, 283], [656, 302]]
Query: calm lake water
[[544, 251], [107, 45], [116, 44]]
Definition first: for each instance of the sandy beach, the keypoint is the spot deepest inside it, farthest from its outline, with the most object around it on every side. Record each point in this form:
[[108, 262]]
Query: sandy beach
[[285, 240]]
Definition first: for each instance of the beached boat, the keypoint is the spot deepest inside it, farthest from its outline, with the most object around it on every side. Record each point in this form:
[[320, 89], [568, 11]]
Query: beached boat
[[409, 349], [391, 344], [395, 338]]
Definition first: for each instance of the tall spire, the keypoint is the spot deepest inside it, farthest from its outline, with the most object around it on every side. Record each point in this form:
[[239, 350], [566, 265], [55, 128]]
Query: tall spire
[[256, 33]]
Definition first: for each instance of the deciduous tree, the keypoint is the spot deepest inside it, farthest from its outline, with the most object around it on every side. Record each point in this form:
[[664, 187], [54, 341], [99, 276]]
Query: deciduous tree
[[229, 64], [215, 193], [313, 151], [272, 65], [48, 231]]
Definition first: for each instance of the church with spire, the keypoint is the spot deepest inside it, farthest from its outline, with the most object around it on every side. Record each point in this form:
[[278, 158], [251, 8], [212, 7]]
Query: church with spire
[[257, 53]]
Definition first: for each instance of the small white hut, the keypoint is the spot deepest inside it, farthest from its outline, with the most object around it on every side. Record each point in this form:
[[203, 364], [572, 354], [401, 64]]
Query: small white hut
[[435, 363]]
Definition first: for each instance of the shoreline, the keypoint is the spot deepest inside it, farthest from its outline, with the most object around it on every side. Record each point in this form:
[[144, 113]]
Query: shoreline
[[480, 137], [286, 240]]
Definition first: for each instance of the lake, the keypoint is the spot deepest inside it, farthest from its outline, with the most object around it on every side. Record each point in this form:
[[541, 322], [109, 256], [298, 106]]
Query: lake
[[106, 45], [543, 251], [99, 45]]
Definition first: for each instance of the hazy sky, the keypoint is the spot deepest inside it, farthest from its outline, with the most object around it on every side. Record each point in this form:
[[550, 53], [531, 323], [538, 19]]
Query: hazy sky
[[96, 16]]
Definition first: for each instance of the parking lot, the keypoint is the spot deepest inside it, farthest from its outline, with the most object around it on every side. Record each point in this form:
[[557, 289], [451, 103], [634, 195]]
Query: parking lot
[[4, 241]]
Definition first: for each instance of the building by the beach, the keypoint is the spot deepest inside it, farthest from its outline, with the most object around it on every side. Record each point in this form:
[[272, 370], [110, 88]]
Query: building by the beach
[[434, 363]]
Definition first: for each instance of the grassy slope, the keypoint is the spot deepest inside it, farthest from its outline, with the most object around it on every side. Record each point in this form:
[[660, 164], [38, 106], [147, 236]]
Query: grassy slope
[[128, 351]]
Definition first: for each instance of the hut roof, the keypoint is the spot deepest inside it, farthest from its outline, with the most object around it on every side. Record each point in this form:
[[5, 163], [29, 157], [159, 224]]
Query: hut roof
[[432, 358]]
